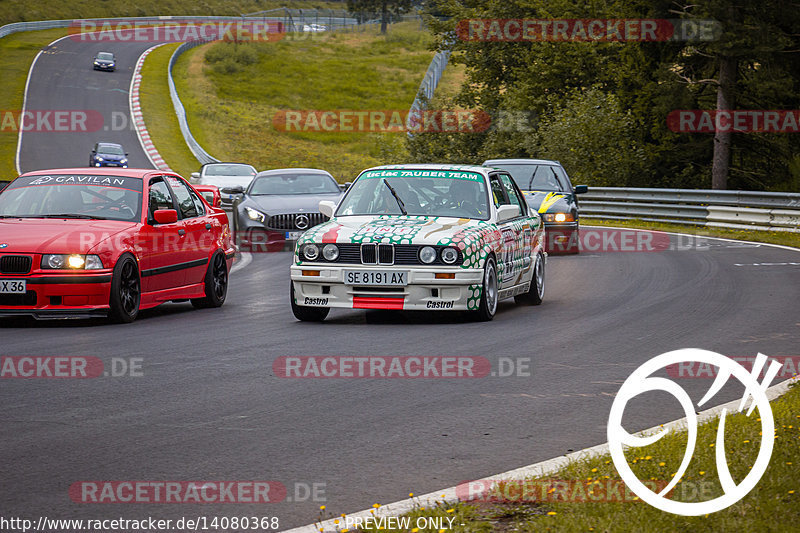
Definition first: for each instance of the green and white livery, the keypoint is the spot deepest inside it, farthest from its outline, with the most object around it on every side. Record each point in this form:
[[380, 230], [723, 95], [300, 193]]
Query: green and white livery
[[421, 237]]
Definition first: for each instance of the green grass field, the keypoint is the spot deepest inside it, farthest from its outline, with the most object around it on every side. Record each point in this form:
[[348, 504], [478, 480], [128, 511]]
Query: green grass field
[[159, 115], [25, 10], [773, 505], [232, 93], [16, 54]]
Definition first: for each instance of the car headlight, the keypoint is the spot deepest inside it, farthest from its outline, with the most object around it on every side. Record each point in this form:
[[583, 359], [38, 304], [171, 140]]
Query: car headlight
[[449, 255], [97, 63], [97, 157], [330, 252], [71, 262], [253, 214], [123, 161], [427, 255], [559, 217], [311, 252]]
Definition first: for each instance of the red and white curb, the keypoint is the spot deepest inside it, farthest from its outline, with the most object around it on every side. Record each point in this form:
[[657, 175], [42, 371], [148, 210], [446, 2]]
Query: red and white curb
[[136, 114]]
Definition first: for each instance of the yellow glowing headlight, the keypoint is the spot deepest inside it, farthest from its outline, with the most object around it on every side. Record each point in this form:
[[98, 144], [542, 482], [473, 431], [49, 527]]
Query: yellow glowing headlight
[[76, 261]]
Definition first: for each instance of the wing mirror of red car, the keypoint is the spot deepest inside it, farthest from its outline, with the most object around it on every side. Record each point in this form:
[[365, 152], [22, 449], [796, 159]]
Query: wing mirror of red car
[[165, 216]]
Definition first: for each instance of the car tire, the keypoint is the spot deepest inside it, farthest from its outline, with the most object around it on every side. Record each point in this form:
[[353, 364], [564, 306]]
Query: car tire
[[489, 293], [216, 283], [307, 314], [535, 294], [126, 291]]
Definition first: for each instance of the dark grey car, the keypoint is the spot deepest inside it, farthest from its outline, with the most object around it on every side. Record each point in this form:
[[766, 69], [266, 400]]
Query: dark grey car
[[279, 205]]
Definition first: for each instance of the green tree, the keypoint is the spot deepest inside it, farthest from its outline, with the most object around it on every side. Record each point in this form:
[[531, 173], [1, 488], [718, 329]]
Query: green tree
[[386, 8]]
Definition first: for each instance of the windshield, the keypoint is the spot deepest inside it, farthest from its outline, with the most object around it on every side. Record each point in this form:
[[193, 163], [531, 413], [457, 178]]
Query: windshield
[[432, 193], [294, 184], [110, 149], [69, 196], [105, 55], [229, 170], [533, 177]]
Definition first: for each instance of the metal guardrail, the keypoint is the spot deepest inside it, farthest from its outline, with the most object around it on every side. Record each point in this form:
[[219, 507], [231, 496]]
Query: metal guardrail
[[16, 27], [427, 88], [199, 153], [775, 211]]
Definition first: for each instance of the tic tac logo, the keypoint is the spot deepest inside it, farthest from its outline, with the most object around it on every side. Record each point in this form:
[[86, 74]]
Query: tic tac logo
[[642, 381]]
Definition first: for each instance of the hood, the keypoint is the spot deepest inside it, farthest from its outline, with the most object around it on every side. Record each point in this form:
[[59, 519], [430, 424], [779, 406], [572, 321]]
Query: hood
[[398, 230], [548, 201], [55, 235], [110, 157], [226, 181], [282, 204]]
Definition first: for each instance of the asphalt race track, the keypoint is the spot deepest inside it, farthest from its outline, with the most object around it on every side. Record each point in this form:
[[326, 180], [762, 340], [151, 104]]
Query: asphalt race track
[[208, 407], [63, 79]]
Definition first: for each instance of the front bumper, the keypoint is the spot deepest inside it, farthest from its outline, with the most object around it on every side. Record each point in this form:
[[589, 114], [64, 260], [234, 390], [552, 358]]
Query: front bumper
[[51, 296], [423, 293], [108, 68], [561, 238], [110, 164]]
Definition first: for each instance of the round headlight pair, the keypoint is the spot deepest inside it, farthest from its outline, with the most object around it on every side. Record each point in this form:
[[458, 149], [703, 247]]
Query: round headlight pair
[[427, 254], [311, 252]]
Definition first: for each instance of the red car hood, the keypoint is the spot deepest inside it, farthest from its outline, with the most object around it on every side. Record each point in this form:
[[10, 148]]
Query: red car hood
[[55, 235]]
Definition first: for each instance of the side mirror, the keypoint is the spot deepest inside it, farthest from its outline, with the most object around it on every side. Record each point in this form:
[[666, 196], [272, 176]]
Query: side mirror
[[344, 186], [507, 212], [326, 207], [233, 190], [195, 175], [165, 216], [580, 189], [126, 154]]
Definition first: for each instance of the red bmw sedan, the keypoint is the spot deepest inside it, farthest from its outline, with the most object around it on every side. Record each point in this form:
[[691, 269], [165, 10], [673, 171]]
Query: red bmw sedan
[[79, 243]]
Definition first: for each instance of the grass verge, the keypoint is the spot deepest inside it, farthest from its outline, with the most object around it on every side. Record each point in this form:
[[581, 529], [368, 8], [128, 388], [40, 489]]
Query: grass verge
[[785, 238], [16, 54], [25, 10], [159, 115], [773, 505], [232, 92]]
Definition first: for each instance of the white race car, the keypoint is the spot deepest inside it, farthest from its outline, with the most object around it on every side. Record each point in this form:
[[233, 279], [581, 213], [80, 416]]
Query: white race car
[[421, 237]]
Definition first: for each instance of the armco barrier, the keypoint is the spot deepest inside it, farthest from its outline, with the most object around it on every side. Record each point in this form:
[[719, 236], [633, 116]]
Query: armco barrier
[[776, 211], [202, 156], [428, 86]]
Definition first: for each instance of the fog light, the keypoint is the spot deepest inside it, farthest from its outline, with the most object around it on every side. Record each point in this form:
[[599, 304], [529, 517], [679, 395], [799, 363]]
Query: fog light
[[427, 255]]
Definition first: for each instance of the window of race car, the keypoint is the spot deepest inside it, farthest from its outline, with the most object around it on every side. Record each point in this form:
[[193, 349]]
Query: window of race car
[[293, 184], [72, 201], [538, 177], [420, 196]]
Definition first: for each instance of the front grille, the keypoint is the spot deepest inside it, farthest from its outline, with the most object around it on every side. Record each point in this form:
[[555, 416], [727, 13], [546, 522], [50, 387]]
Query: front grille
[[386, 254], [290, 221], [369, 254], [10, 300], [15, 264]]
